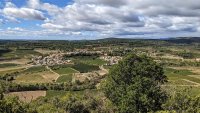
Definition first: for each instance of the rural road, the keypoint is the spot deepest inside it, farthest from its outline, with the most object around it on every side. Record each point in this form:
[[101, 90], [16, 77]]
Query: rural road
[[102, 68], [191, 81], [53, 72], [183, 85]]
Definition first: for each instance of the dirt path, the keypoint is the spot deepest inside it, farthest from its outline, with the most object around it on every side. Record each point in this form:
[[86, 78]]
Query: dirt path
[[102, 68], [15, 68], [17, 61], [184, 85], [75, 70], [53, 72], [191, 81]]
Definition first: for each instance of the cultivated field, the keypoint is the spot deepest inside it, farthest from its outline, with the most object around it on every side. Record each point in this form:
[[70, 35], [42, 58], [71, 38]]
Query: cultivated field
[[28, 96], [39, 74]]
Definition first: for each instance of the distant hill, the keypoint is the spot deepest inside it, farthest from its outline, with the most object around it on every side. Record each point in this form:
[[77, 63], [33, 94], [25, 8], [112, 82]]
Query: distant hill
[[177, 40], [185, 40]]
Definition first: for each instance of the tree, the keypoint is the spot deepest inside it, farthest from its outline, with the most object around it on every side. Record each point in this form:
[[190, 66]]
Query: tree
[[182, 100], [134, 85], [1, 92], [2, 89], [12, 105]]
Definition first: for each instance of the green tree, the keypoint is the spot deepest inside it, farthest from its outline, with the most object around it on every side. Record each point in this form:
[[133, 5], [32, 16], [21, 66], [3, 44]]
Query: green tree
[[182, 101], [134, 85], [1, 92], [12, 105]]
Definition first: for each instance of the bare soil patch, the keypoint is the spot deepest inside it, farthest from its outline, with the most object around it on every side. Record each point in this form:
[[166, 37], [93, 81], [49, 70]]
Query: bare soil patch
[[28, 96], [40, 77], [17, 61], [45, 51]]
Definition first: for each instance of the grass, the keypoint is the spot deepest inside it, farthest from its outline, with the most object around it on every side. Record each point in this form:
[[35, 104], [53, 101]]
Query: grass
[[9, 55], [174, 72], [65, 70], [65, 78], [10, 71], [107, 67], [36, 77], [192, 79], [91, 60], [35, 69], [8, 65], [175, 76], [36, 74], [84, 68], [180, 82], [20, 54], [30, 78], [97, 61], [53, 93], [195, 91]]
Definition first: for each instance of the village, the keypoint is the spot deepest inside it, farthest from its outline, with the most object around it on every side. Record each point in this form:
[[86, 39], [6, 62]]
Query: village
[[53, 59], [59, 58]]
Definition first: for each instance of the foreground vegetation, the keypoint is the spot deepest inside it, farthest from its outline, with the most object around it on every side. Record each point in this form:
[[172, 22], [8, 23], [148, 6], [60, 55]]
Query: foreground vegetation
[[161, 76], [134, 85]]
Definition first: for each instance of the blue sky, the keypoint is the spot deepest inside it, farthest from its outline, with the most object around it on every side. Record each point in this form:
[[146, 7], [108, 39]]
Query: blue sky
[[94, 19]]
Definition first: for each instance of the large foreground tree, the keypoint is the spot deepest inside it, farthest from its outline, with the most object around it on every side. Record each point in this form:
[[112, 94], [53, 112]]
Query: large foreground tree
[[134, 85]]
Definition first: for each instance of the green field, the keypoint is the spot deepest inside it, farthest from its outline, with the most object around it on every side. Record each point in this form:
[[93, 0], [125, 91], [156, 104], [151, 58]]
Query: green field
[[30, 78], [9, 55], [6, 65], [53, 93], [84, 68], [170, 72], [10, 71], [91, 60], [31, 74], [178, 77], [20, 53], [65, 78], [97, 61], [65, 70], [34, 75], [179, 82], [35, 69]]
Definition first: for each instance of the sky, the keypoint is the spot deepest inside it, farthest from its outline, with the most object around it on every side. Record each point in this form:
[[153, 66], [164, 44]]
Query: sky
[[95, 19]]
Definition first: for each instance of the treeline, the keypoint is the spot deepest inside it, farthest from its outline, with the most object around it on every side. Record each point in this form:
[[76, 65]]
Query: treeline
[[9, 76], [179, 101], [82, 54], [86, 44], [4, 50], [179, 63], [77, 86], [70, 103]]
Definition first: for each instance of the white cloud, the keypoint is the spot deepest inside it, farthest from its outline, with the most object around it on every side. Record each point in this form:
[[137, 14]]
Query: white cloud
[[10, 4], [15, 29], [112, 17], [33, 3], [24, 13], [52, 26], [1, 21]]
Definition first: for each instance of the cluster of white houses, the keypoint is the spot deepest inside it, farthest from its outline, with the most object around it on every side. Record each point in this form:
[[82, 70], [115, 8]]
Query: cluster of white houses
[[53, 59], [58, 58], [111, 59]]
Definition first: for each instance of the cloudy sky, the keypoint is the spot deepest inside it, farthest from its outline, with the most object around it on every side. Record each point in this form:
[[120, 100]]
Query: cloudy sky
[[94, 19]]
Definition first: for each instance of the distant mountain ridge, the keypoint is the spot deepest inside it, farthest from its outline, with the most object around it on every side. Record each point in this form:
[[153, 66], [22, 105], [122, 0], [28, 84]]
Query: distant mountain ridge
[[184, 40]]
